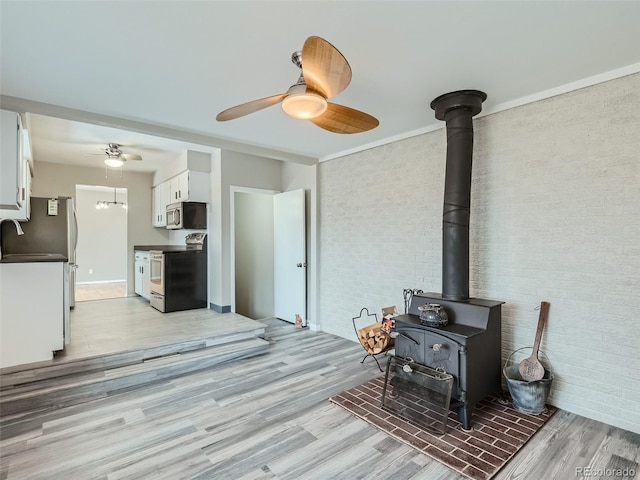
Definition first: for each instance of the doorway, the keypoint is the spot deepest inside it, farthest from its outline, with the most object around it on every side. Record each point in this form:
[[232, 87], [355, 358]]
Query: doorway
[[268, 250], [252, 252], [101, 254]]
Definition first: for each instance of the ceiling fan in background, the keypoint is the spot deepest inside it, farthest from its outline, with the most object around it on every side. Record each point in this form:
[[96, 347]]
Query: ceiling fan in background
[[325, 73], [115, 156]]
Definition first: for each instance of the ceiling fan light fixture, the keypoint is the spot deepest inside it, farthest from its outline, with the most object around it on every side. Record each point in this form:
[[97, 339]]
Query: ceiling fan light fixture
[[304, 105], [325, 74], [113, 162]]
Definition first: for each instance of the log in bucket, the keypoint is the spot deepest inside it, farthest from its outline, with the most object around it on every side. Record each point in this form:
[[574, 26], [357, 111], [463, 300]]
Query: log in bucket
[[527, 397]]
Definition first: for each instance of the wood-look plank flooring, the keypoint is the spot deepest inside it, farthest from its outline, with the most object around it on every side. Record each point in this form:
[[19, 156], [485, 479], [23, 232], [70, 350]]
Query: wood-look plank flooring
[[130, 323], [100, 291], [269, 418], [108, 332]]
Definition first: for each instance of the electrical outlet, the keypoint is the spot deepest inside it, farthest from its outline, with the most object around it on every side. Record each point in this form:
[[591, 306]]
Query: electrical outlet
[[91, 271]]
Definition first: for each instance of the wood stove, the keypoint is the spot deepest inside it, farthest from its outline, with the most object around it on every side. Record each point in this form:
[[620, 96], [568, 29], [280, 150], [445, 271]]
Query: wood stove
[[469, 346]]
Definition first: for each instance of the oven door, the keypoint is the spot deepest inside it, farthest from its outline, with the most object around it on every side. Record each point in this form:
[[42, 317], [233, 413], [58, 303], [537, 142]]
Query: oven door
[[157, 280], [174, 217]]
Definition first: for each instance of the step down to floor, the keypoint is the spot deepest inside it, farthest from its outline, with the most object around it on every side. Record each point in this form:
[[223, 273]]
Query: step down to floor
[[83, 387], [60, 367]]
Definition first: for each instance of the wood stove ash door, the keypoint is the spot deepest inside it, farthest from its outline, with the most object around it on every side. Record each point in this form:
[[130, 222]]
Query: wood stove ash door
[[433, 350]]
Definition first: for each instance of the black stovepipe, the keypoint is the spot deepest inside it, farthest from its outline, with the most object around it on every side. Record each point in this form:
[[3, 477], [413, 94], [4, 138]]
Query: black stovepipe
[[457, 110]]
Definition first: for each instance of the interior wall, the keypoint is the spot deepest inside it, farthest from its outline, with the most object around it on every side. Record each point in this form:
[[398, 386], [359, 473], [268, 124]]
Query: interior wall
[[101, 253], [54, 179], [254, 268], [555, 217]]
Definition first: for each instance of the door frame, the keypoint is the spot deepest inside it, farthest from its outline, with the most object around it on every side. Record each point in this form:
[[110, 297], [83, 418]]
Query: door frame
[[232, 227]]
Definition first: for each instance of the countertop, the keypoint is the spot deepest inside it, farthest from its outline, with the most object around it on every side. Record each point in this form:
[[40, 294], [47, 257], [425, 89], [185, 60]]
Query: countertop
[[32, 257], [168, 248]]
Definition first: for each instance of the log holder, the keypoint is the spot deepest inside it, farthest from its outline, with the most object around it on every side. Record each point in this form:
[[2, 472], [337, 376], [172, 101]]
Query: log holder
[[358, 325]]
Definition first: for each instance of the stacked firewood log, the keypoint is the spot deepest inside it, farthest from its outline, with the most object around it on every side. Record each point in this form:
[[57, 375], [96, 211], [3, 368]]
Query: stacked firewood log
[[373, 339]]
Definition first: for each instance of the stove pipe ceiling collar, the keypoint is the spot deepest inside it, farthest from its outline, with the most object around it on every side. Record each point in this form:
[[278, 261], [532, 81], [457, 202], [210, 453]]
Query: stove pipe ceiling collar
[[457, 109]]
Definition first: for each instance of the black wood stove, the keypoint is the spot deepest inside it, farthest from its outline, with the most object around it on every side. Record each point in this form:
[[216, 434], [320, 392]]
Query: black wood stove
[[468, 347]]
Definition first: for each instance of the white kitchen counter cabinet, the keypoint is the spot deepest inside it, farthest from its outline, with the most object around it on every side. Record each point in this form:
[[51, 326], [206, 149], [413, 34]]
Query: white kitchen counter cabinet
[[31, 312], [142, 281]]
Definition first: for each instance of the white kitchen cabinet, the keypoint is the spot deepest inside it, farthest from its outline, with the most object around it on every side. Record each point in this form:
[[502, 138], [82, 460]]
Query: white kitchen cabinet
[[160, 200], [142, 283], [15, 182], [179, 187], [190, 186], [32, 311]]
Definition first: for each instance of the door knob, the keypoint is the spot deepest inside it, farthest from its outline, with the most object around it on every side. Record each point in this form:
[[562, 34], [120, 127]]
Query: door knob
[[300, 265]]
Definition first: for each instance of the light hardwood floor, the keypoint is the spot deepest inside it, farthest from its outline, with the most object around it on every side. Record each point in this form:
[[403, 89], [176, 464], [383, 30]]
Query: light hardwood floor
[[125, 324], [269, 418], [100, 291]]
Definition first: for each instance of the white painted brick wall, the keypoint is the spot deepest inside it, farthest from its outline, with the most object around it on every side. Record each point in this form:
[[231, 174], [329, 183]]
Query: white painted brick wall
[[555, 217]]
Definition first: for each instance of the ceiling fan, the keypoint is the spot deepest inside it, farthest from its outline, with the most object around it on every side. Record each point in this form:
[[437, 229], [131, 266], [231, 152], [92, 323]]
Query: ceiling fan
[[115, 156], [325, 73]]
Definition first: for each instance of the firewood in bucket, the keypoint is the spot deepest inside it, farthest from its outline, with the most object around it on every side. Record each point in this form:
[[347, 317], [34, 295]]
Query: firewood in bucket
[[530, 368]]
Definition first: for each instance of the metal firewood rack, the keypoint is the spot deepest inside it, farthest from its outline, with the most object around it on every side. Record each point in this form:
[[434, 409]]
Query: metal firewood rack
[[359, 323]]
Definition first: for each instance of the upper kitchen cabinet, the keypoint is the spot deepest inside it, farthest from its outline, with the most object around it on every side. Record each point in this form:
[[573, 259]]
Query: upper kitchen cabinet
[[15, 181], [190, 186], [179, 188], [160, 199]]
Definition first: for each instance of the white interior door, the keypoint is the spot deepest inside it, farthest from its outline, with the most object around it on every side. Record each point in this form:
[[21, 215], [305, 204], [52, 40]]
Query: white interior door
[[290, 272]]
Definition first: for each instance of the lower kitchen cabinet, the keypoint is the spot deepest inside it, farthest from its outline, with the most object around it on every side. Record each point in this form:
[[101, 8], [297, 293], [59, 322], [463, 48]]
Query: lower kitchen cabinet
[[32, 312], [142, 274]]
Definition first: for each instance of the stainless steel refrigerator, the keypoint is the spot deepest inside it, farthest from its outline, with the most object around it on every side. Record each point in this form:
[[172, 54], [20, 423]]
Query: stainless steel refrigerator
[[52, 228]]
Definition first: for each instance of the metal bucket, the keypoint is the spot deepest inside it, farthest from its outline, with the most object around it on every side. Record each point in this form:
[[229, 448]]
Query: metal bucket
[[527, 397]]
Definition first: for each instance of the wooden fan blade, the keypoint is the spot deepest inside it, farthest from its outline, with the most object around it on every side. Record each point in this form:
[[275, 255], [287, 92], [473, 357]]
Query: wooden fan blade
[[131, 156], [249, 107], [341, 119], [324, 68]]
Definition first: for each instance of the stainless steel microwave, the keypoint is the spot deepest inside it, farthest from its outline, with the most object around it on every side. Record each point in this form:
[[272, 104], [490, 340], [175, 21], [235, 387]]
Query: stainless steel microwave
[[187, 215]]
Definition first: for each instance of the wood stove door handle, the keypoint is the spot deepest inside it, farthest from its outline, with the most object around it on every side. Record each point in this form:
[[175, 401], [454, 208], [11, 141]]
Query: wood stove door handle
[[410, 338]]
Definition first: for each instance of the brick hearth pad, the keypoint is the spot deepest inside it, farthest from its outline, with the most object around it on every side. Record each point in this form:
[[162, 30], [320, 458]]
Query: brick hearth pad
[[498, 432]]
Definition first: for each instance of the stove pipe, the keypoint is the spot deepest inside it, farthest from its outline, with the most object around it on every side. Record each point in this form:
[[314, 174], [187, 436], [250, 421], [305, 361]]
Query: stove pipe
[[457, 110]]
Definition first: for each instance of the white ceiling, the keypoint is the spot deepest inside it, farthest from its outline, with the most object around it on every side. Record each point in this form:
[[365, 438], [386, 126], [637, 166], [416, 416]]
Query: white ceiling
[[75, 143], [168, 67]]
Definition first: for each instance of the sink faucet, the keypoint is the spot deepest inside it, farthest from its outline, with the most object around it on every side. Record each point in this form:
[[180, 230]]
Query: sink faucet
[[18, 229]]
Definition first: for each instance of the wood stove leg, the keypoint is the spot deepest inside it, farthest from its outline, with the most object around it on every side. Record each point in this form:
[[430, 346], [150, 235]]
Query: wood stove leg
[[464, 416]]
